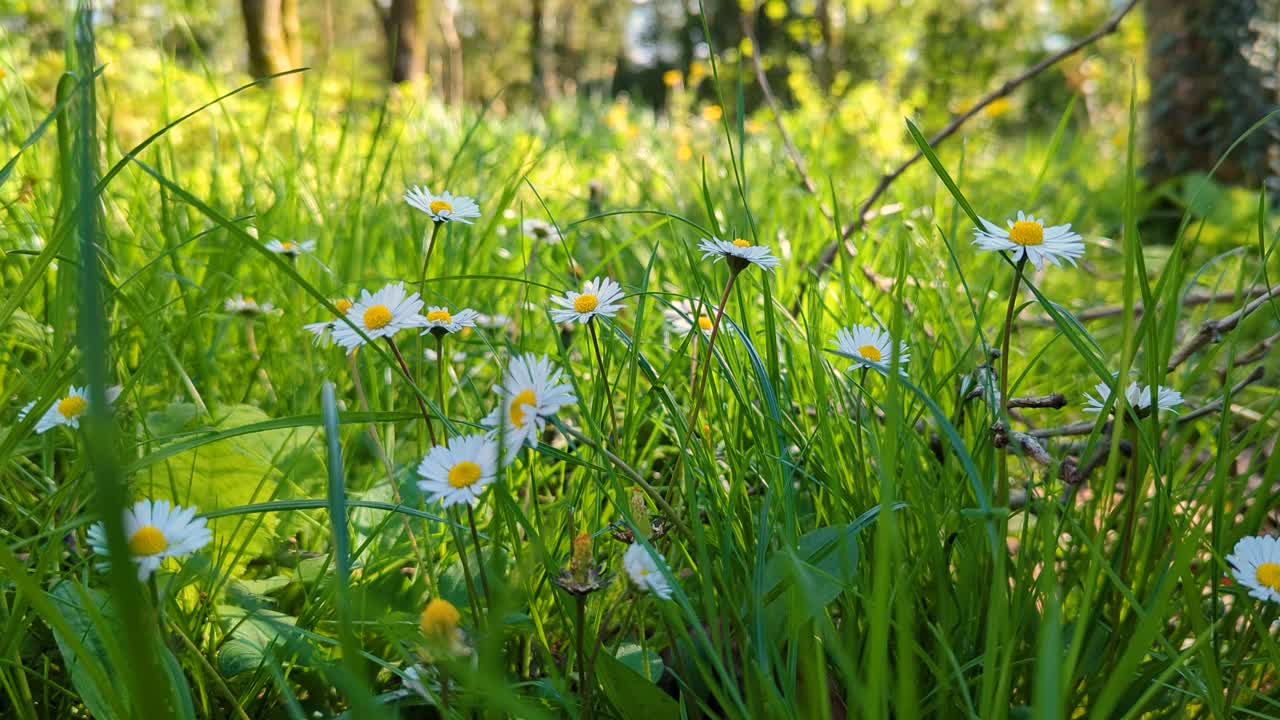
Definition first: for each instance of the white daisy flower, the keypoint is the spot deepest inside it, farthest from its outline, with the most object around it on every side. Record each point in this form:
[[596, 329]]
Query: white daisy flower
[[156, 530], [680, 317], [414, 677], [322, 330], [441, 321], [459, 471], [291, 249], [444, 207], [738, 253], [1028, 237], [532, 390], [644, 572], [598, 297], [454, 357], [1256, 562], [380, 314], [541, 230], [247, 306], [870, 347], [496, 321], [1137, 396], [68, 410]]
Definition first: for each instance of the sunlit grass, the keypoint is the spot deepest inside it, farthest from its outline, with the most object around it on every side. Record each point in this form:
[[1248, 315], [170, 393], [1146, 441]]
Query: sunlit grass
[[838, 543]]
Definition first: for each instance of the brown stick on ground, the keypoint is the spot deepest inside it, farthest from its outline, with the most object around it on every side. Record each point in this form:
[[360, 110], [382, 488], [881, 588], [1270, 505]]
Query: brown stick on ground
[[1211, 330], [1191, 300], [859, 219]]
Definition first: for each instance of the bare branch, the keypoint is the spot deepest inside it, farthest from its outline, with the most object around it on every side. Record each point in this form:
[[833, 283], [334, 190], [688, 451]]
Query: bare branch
[[1052, 401], [1216, 405], [1191, 300], [1211, 331], [859, 219]]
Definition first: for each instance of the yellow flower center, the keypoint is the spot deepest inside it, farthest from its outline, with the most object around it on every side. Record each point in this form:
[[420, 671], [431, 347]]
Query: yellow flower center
[[72, 406], [704, 322], [741, 243], [249, 301], [288, 246], [1026, 232], [148, 540], [377, 317], [439, 619], [585, 303], [870, 352], [439, 206], [343, 305], [440, 316], [519, 406], [464, 474], [1269, 575]]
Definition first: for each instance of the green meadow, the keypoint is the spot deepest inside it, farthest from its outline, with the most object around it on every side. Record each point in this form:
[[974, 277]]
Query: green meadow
[[809, 532]]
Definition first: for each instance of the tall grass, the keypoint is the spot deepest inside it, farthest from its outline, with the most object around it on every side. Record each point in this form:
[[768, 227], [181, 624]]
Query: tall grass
[[838, 546]]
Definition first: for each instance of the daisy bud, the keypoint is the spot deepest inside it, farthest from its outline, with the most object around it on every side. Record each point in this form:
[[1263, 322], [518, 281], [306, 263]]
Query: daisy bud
[[439, 621], [640, 512], [581, 563]]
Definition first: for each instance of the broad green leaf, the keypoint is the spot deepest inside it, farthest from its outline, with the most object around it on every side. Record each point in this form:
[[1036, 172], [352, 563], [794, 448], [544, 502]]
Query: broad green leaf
[[634, 697]]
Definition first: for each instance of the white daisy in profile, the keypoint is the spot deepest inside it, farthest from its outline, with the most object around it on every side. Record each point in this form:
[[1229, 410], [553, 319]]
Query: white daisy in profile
[[155, 530], [532, 390], [460, 470], [1027, 237], [1137, 396], [684, 314], [246, 306], [496, 321], [380, 314], [599, 296], [442, 322], [291, 249], [541, 230], [322, 330], [68, 410], [644, 572], [739, 253], [444, 207], [1256, 565], [870, 347]]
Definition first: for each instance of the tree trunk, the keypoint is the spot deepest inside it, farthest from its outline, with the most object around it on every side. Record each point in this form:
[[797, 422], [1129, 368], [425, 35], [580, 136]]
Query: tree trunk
[[453, 86], [406, 42], [1212, 66], [266, 27], [537, 78]]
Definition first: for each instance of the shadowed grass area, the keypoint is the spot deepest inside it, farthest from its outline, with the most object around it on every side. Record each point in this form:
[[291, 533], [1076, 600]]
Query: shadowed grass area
[[882, 541]]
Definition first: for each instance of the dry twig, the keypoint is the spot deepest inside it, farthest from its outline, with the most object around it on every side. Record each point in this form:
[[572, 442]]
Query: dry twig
[[1211, 331], [859, 219]]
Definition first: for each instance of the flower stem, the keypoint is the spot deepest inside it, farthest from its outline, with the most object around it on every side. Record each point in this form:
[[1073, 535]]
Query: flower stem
[[440, 376], [362, 401], [584, 673], [1002, 458], [422, 406], [472, 597], [475, 538], [857, 430], [426, 256], [251, 341], [604, 383], [700, 386]]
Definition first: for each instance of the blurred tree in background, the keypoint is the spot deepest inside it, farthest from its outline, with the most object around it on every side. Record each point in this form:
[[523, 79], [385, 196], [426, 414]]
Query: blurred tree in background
[[1210, 64]]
